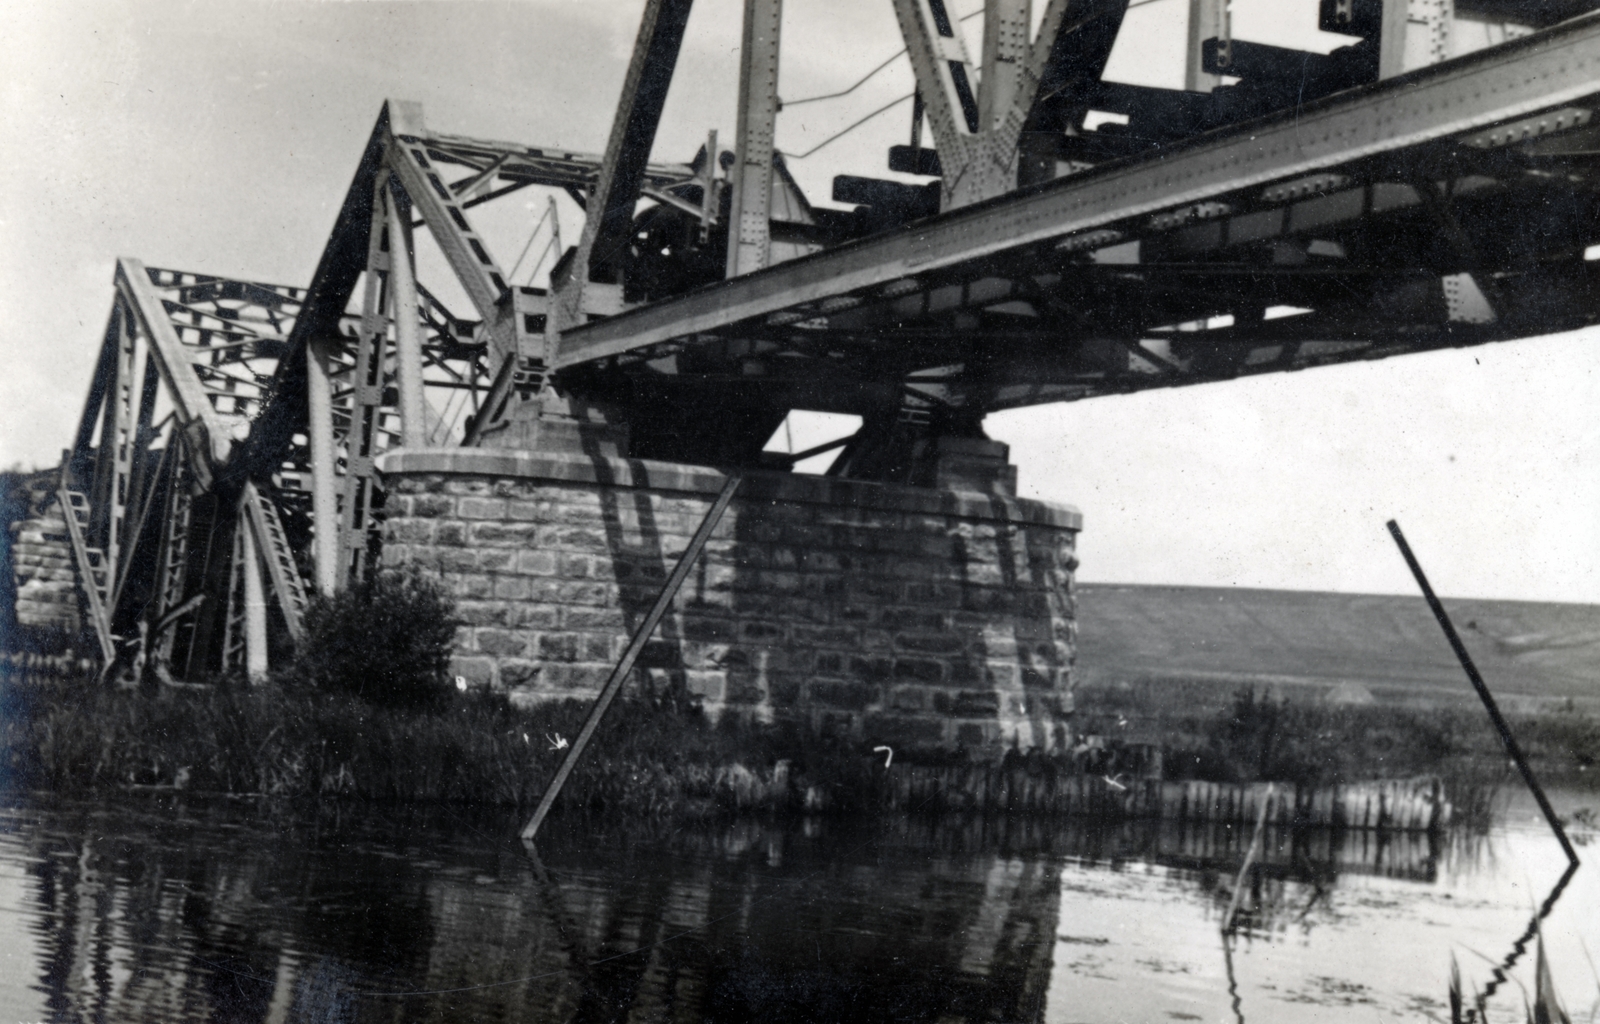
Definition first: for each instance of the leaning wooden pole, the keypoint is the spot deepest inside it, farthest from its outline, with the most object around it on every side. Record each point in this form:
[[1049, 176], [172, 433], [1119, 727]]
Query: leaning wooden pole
[[641, 636], [1500, 724], [1250, 857]]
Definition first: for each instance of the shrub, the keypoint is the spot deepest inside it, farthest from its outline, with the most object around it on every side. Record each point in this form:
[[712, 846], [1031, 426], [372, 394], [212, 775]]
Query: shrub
[[1260, 737], [1254, 731], [386, 639]]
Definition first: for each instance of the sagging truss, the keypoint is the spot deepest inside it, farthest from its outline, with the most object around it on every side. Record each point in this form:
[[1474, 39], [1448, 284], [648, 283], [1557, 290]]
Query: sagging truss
[[1396, 195]]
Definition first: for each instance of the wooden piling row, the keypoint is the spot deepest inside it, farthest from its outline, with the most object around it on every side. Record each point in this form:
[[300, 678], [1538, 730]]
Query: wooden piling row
[[1415, 804]]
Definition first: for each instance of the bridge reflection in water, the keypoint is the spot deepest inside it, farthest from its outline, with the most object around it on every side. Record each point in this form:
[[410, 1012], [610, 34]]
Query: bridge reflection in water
[[162, 912]]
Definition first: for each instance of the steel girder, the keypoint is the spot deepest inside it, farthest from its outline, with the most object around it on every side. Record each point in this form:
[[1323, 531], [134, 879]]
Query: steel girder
[[610, 204], [749, 212], [280, 399], [1450, 206], [977, 123], [413, 178]]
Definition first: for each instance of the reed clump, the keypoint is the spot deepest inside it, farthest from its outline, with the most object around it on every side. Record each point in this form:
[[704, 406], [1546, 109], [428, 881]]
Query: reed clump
[[1252, 734], [654, 754]]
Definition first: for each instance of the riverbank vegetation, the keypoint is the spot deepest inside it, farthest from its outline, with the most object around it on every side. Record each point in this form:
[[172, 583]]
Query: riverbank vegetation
[[655, 753], [1248, 733], [277, 740], [367, 711]]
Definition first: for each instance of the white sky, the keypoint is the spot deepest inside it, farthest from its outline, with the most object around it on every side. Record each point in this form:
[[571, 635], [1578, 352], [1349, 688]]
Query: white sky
[[221, 136]]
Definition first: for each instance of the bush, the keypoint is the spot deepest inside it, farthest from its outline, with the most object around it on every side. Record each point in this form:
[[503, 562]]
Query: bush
[[386, 639], [1259, 737]]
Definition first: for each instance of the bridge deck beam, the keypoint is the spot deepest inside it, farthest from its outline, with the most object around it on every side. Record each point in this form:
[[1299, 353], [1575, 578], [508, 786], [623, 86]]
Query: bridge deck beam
[[1419, 117]]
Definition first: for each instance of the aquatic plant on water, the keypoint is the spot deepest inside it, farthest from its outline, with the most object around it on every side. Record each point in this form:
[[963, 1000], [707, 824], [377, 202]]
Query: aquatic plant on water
[[1545, 1006]]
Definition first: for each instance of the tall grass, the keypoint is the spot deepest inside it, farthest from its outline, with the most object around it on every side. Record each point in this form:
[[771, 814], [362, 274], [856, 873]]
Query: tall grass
[[1545, 1007], [1255, 735], [655, 753], [650, 756]]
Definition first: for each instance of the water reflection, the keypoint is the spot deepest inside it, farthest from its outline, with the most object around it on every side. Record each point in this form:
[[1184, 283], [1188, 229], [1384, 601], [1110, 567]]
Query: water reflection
[[176, 911], [1519, 947]]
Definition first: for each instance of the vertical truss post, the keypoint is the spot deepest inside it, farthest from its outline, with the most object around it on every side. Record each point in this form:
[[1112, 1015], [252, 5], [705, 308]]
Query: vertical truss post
[[708, 190], [1006, 34], [1392, 38], [1431, 21], [750, 223], [105, 369], [324, 484], [214, 568], [148, 490], [408, 346], [255, 604], [1208, 19], [143, 479], [360, 481], [555, 234], [108, 501], [233, 623], [173, 564]]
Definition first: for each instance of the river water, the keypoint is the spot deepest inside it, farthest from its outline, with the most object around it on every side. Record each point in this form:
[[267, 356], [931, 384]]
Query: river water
[[167, 909]]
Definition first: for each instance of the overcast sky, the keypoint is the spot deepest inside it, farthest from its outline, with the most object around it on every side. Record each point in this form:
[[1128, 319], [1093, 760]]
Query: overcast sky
[[221, 136]]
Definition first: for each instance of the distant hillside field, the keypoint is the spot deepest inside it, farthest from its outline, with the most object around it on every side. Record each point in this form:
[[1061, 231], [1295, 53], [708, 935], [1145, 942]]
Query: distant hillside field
[[1343, 646]]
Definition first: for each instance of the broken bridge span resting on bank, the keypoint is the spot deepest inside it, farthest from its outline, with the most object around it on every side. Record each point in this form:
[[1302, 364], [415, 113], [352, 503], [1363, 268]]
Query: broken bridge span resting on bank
[[1412, 190]]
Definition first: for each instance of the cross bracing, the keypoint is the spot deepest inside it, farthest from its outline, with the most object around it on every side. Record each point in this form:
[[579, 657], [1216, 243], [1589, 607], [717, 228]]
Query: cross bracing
[[168, 512], [1394, 196]]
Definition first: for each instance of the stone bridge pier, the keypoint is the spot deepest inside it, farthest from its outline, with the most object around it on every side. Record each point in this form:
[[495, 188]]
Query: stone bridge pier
[[913, 616]]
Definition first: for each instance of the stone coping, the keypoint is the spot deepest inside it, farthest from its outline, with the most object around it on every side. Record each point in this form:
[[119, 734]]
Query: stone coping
[[648, 474]]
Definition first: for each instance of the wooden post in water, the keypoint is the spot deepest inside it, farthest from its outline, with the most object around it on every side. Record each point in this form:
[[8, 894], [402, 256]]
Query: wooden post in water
[[1484, 695], [641, 636], [1249, 858]]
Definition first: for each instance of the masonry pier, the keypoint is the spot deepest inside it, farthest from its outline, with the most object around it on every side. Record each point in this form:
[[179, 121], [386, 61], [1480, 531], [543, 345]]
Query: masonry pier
[[909, 615]]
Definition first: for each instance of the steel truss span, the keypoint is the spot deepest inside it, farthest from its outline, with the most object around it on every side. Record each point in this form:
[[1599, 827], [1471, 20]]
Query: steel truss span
[[1450, 206], [1319, 209]]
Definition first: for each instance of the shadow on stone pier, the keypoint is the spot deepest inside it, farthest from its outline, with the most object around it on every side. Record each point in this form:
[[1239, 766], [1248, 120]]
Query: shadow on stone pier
[[890, 614]]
